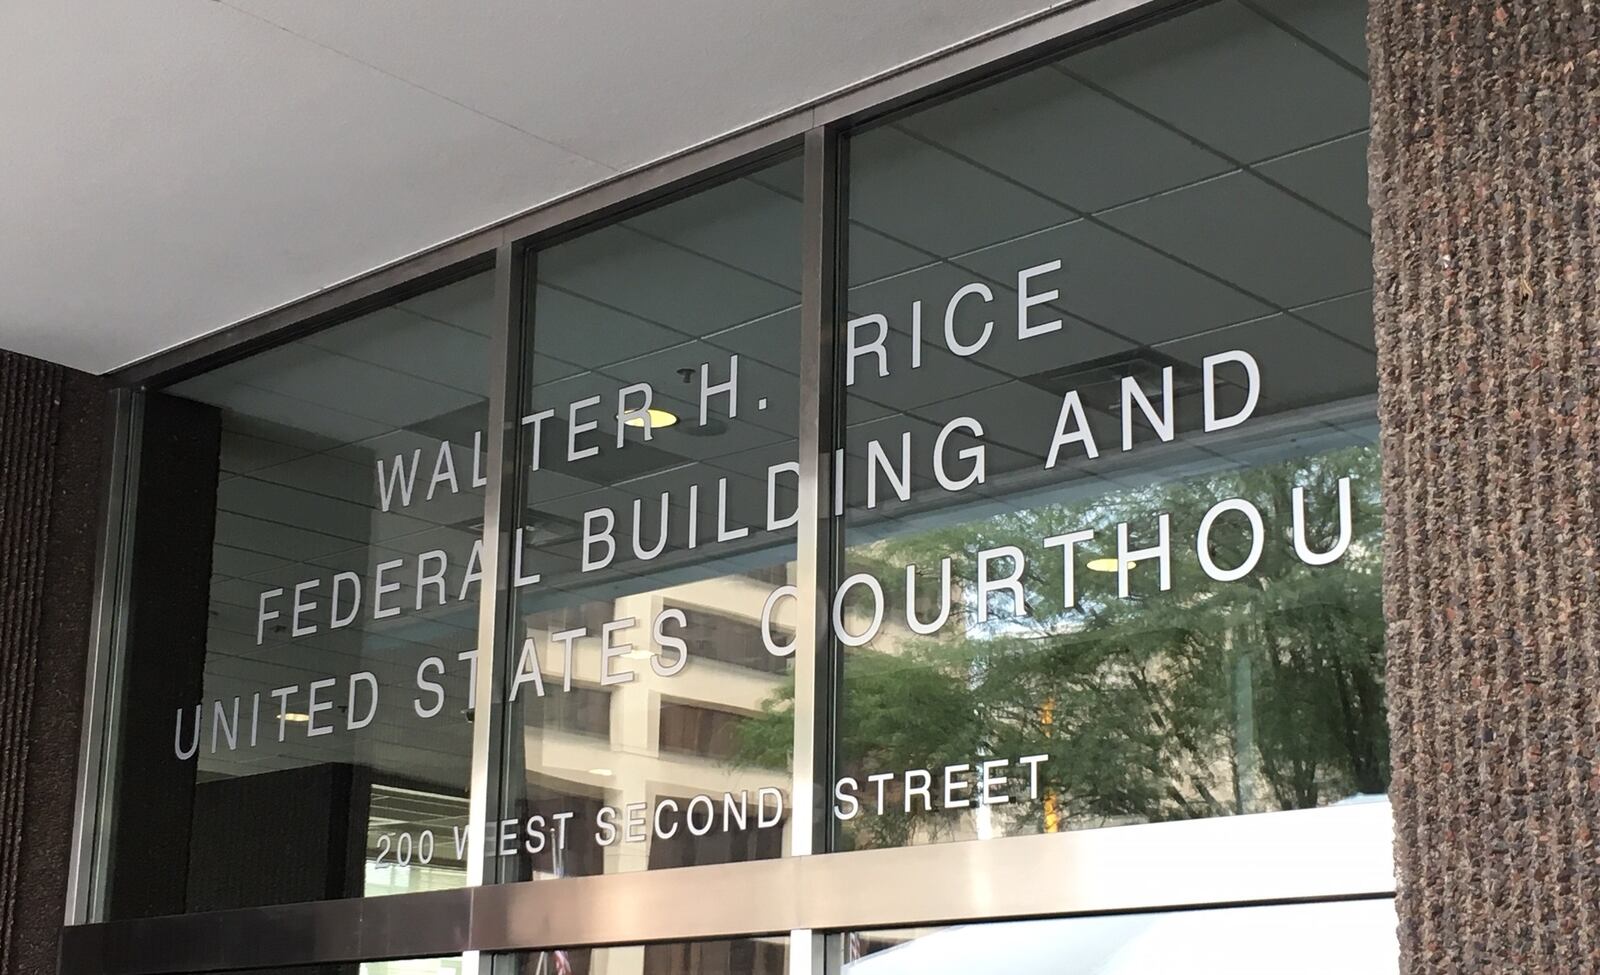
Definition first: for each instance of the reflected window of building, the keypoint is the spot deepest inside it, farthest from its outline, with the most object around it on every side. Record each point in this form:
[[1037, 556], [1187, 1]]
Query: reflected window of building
[[659, 414], [1110, 473], [731, 640], [295, 713], [698, 730], [583, 710]]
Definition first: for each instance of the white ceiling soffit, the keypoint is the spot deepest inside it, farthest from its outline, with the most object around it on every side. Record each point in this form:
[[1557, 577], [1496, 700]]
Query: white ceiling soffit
[[172, 166]]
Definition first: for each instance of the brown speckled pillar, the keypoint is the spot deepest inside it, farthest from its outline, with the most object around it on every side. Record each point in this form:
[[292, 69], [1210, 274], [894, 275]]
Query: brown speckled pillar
[[51, 427], [1486, 198]]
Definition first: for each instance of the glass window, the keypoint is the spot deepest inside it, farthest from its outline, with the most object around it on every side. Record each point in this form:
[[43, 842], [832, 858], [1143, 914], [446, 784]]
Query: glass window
[[415, 966], [1340, 938], [295, 721], [740, 956], [1107, 545], [1110, 477], [451, 965], [659, 418]]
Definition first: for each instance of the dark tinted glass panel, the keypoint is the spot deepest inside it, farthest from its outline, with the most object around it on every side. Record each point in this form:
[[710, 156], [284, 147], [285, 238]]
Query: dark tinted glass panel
[[1111, 436], [295, 720], [659, 419]]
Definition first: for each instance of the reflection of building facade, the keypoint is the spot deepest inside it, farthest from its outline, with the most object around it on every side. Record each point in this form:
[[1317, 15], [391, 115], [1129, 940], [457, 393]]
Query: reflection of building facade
[[655, 738]]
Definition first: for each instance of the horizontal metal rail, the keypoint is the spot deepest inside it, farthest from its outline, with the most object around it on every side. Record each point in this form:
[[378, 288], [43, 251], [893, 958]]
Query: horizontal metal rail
[[1339, 852]]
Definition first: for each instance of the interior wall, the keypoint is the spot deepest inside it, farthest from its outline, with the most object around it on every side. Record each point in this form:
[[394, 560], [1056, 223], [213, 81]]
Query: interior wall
[[1485, 172], [52, 422], [163, 657]]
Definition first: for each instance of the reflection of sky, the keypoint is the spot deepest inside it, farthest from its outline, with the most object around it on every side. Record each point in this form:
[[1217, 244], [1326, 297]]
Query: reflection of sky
[[1345, 938]]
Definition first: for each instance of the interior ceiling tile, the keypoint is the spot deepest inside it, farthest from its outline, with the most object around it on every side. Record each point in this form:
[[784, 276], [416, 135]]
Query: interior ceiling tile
[[238, 563], [1299, 365], [873, 255], [411, 345], [1349, 317], [289, 542], [661, 282], [1065, 140], [322, 474], [1328, 175], [330, 516], [757, 380], [391, 443], [558, 397], [576, 330], [1015, 414], [1262, 91], [1122, 284], [744, 224], [548, 369], [940, 374], [466, 304], [243, 453], [343, 385], [891, 170], [1338, 27], [285, 436], [1005, 354], [773, 339], [287, 411], [1245, 231]]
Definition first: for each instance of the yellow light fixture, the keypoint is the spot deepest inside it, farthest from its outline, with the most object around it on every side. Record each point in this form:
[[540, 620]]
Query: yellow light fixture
[[600, 771], [1105, 565], [658, 419], [298, 717]]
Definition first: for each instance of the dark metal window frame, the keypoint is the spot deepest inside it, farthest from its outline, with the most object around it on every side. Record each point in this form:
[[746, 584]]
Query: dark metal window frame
[[1331, 853]]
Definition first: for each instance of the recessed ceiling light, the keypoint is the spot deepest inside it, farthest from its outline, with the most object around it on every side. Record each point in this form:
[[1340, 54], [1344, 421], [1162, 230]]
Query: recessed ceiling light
[[658, 419], [639, 653], [1105, 565], [600, 771], [299, 717]]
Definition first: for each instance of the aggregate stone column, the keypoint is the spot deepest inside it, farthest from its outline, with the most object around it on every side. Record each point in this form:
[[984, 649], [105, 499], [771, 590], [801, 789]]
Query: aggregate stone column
[[1485, 188], [51, 425]]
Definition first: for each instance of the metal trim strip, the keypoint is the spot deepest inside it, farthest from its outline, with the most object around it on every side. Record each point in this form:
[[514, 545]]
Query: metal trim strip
[[1338, 852], [814, 673], [107, 629]]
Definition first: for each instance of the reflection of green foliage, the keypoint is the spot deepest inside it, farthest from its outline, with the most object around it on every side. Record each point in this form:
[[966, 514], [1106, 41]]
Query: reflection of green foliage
[[1209, 698]]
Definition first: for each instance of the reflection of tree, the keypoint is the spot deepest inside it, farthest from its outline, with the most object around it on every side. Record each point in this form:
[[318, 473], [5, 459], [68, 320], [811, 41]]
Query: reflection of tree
[[1210, 698]]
